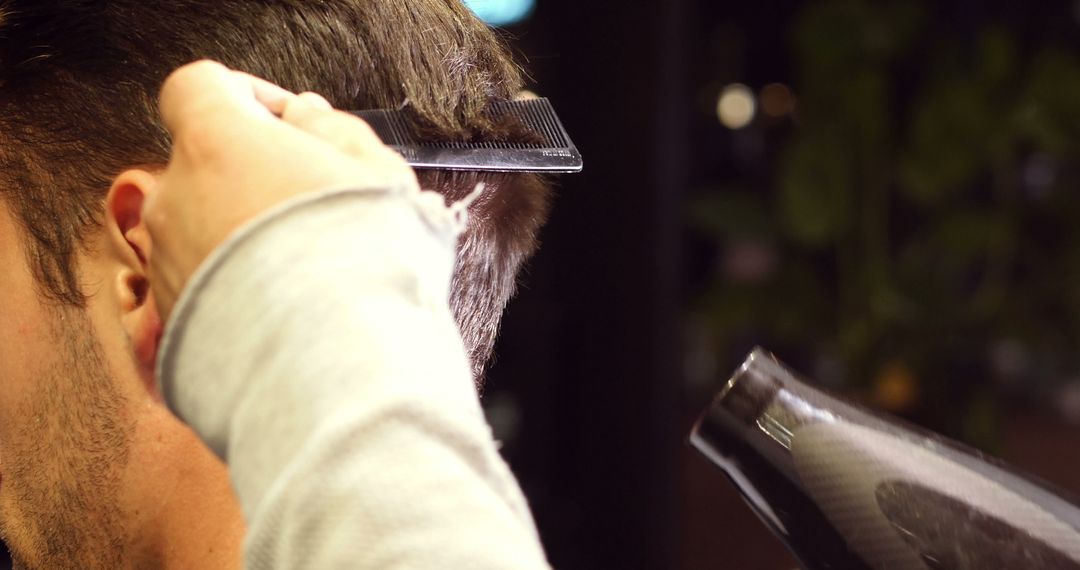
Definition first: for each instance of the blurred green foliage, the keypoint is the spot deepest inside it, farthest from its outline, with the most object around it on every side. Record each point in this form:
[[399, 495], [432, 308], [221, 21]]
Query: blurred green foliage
[[922, 211]]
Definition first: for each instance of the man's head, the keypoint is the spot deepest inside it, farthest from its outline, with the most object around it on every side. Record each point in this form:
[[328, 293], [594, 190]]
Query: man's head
[[79, 426]]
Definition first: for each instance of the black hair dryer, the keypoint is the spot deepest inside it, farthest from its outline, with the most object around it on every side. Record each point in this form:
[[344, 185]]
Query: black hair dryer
[[847, 489]]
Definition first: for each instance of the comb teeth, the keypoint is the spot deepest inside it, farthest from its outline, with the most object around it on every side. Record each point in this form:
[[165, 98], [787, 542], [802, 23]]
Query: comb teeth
[[390, 127], [540, 118], [554, 152]]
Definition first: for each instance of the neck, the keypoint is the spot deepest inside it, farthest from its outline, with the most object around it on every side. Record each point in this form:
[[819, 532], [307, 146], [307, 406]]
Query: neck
[[185, 512]]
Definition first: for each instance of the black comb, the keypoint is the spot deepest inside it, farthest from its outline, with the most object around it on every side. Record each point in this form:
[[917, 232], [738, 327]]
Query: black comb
[[552, 150]]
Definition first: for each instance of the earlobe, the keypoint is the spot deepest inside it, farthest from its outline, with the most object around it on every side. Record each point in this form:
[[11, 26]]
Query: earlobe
[[144, 329]]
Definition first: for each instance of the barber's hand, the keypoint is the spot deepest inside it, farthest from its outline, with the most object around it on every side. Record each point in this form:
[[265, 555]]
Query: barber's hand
[[240, 146]]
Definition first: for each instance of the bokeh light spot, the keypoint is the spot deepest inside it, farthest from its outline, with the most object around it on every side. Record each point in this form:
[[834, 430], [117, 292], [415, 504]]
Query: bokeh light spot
[[777, 100], [736, 106]]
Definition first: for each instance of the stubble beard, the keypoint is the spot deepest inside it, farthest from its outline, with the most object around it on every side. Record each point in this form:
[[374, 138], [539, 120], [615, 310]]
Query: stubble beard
[[63, 465]]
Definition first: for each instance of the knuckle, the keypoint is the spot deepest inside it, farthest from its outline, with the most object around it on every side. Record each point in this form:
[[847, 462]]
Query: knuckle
[[193, 69]]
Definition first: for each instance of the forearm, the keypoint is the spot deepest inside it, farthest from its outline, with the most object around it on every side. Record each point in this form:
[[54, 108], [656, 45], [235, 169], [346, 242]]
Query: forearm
[[314, 351]]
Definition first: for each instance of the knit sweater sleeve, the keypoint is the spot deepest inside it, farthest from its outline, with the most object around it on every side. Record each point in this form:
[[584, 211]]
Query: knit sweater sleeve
[[315, 353]]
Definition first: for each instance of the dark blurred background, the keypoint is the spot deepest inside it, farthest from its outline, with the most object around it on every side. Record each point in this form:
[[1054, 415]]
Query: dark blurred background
[[881, 193]]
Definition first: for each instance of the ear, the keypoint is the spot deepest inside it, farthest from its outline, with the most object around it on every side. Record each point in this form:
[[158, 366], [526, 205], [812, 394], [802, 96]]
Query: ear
[[130, 245]]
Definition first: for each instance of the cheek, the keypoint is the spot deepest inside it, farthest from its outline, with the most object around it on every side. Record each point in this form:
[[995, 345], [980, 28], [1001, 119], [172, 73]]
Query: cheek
[[22, 328], [25, 351], [66, 445], [22, 314], [23, 360], [26, 355]]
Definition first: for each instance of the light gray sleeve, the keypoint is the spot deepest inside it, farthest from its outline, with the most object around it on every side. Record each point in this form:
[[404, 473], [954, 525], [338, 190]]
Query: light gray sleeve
[[315, 352]]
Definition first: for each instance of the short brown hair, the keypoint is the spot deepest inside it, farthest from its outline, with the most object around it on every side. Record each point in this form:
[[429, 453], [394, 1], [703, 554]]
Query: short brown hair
[[79, 82]]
